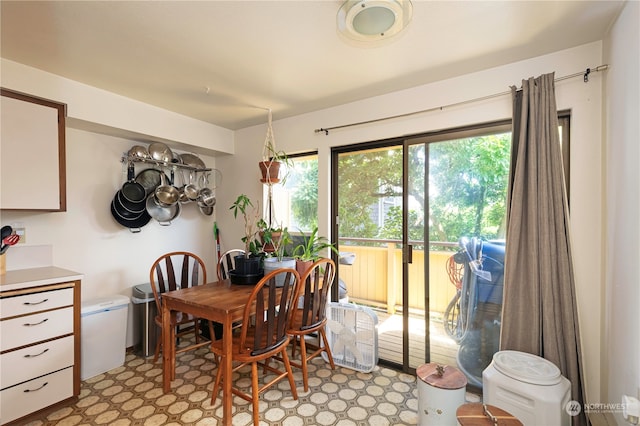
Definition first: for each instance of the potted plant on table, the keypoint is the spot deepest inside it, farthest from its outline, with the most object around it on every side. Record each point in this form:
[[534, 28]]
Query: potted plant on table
[[248, 268], [309, 251], [278, 258]]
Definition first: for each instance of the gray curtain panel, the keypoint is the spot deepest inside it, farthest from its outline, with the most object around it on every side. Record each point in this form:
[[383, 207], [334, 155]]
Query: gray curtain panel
[[539, 309]]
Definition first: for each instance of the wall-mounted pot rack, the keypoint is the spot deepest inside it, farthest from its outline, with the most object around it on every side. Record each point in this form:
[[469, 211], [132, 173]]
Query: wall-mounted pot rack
[[160, 163]]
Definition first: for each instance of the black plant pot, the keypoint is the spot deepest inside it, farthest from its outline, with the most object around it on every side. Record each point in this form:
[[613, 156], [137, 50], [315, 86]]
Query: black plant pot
[[247, 270]]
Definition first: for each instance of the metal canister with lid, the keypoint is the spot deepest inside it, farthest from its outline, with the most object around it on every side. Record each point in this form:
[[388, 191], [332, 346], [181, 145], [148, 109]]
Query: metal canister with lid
[[441, 390]]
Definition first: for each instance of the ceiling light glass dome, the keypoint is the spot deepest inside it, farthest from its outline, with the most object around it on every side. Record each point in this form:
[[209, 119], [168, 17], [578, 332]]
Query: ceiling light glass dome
[[373, 20]]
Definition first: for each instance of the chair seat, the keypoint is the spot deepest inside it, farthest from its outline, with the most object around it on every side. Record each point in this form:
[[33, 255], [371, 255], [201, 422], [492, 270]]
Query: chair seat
[[246, 355], [296, 326]]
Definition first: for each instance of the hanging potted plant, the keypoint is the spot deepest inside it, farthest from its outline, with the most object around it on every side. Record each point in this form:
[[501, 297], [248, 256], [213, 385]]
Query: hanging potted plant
[[272, 158], [248, 268], [309, 251]]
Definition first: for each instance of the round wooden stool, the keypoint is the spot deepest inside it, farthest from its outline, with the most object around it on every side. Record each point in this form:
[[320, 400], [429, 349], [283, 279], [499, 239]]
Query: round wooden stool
[[476, 414]]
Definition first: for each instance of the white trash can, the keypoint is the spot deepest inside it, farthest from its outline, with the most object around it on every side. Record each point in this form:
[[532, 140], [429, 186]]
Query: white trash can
[[104, 334], [439, 396], [527, 386]]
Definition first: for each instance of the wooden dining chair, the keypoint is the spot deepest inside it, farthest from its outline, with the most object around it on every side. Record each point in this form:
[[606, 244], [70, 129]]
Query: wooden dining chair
[[174, 271], [309, 315], [227, 263], [263, 337]]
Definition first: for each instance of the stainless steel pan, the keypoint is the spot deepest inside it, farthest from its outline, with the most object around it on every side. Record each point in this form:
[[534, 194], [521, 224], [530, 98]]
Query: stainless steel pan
[[163, 214]]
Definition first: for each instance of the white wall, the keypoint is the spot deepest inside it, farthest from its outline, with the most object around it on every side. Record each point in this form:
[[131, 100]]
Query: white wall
[[297, 134], [621, 338], [87, 239]]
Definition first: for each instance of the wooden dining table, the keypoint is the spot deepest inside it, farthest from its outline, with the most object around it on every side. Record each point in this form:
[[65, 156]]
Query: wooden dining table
[[221, 302]]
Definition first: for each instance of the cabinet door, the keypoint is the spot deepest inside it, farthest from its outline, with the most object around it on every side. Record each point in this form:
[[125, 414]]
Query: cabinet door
[[32, 153]]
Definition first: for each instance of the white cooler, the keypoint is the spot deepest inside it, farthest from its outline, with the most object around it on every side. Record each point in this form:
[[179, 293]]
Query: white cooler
[[527, 386]]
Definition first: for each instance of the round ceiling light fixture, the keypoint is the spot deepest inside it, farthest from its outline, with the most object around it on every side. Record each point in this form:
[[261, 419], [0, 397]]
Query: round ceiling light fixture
[[373, 20]]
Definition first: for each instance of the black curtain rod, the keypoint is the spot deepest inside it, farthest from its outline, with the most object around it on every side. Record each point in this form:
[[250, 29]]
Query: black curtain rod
[[584, 74]]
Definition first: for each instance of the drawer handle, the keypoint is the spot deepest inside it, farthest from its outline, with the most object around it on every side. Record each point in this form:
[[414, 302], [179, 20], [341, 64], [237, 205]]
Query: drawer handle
[[34, 390], [38, 323], [35, 303], [33, 356]]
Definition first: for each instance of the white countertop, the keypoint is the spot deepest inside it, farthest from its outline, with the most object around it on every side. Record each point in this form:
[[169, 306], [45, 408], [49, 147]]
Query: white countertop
[[33, 277]]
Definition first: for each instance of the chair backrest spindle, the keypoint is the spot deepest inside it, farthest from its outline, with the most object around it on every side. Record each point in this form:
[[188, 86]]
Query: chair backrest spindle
[[272, 305]]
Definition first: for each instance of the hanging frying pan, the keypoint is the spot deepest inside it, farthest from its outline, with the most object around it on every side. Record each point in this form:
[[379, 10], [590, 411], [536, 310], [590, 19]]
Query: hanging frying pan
[[134, 225]]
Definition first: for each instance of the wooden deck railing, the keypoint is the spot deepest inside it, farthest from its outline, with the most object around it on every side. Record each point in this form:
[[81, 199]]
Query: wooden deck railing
[[375, 278]]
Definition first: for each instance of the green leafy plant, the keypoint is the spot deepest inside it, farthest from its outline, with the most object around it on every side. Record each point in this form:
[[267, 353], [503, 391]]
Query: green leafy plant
[[250, 214], [312, 246], [275, 238]]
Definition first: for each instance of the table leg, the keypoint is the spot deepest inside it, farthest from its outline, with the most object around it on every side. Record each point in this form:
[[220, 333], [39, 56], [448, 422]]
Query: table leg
[[167, 349], [227, 346]]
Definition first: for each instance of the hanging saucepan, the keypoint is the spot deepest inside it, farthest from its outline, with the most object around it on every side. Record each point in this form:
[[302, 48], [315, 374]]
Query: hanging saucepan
[[187, 190], [134, 225], [206, 197], [166, 195], [205, 210], [163, 214], [191, 190]]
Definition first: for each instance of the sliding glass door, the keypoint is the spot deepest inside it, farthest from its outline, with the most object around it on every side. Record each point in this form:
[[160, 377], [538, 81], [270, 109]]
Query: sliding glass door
[[405, 209]]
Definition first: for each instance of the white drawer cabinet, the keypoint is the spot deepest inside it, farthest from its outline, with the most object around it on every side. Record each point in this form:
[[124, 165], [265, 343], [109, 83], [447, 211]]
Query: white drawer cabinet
[[36, 394], [36, 360], [36, 302], [39, 346]]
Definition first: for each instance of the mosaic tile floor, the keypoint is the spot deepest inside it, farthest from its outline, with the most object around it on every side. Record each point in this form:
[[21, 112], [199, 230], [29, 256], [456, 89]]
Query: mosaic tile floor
[[132, 395]]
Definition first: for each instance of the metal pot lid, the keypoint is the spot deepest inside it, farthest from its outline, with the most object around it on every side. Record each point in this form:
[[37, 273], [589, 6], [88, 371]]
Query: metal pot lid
[[160, 151], [138, 151], [192, 160]]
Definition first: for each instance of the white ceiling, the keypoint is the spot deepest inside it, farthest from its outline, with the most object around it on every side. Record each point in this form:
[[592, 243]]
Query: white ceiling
[[226, 62]]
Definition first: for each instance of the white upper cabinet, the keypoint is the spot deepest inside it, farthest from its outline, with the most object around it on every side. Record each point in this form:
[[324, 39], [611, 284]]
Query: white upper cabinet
[[32, 153]]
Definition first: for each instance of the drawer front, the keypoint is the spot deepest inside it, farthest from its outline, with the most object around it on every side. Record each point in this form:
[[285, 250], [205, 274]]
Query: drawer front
[[23, 399], [35, 302], [34, 328], [35, 361]]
